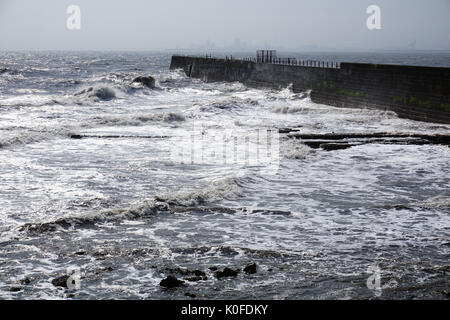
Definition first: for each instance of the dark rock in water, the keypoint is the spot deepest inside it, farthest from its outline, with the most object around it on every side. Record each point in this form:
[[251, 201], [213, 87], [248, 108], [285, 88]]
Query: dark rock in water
[[335, 146], [288, 130], [273, 212], [171, 282], [227, 251], [191, 295], [199, 273], [227, 272], [213, 268], [250, 268], [14, 289], [76, 136], [148, 81], [61, 281], [27, 280]]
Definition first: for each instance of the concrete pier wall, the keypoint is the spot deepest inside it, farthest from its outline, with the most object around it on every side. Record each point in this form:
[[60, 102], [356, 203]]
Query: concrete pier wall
[[417, 93]]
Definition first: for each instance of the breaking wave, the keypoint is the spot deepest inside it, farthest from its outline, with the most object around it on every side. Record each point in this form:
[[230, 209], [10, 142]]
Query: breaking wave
[[27, 136], [228, 104], [166, 204], [12, 136], [138, 120], [101, 93], [292, 149]]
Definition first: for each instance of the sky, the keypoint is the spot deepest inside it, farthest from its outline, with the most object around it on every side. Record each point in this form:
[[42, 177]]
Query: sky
[[239, 25]]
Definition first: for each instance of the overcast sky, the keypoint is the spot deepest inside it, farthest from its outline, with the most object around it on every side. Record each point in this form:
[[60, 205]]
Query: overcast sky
[[239, 24]]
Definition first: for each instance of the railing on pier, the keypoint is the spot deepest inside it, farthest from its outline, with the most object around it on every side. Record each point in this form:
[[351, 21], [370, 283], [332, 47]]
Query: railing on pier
[[300, 63], [279, 61]]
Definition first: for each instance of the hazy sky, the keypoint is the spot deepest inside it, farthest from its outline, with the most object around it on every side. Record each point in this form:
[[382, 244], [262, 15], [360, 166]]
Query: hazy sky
[[238, 24]]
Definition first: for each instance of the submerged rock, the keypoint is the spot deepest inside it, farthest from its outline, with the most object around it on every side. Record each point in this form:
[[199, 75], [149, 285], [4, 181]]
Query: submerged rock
[[336, 146], [251, 268], [171, 282], [61, 281], [27, 280], [147, 81], [226, 273]]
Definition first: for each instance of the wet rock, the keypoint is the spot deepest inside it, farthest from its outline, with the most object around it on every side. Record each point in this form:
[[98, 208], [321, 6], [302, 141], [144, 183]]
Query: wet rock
[[76, 137], [147, 81], [183, 272], [335, 146], [287, 130], [272, 212], [80, 253], [213, 268], [227, 251], [171, 282], [14, 289], [190, 295], [61, 281], [107, 269], [251, 268], [101, 254], [199, 273], [27, 281], [226, 273]]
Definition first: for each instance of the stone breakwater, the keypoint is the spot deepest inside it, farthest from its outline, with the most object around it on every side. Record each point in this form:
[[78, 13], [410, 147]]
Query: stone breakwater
[[417, 93]]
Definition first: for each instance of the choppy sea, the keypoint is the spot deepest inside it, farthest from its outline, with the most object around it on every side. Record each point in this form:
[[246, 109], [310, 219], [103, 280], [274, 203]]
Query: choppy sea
[[116, 206]]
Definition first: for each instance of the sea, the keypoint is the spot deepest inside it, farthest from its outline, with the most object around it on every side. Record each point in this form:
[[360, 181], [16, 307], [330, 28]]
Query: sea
[[93, 187]]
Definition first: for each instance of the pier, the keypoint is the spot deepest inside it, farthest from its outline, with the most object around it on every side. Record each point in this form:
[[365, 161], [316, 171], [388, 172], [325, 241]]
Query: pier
[[412, 92]]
